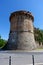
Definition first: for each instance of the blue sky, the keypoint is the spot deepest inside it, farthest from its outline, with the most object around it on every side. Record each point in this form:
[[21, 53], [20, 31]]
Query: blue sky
[[9, 6]]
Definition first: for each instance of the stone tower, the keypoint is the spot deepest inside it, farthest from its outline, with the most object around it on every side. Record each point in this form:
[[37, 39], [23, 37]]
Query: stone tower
[[21, 36]]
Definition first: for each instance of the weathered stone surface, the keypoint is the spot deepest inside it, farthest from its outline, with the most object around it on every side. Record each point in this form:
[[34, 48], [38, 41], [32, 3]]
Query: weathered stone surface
[[21, 35], [26, 41]]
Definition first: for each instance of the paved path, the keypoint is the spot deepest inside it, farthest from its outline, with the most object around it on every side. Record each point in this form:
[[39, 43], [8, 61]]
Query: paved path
[[20, 58]]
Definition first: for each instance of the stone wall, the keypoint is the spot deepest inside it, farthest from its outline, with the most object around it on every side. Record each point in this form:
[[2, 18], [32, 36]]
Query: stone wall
[[21, 35]]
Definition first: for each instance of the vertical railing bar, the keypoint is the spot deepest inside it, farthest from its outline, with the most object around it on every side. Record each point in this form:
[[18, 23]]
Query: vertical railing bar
[[33, 59], [9, 60]]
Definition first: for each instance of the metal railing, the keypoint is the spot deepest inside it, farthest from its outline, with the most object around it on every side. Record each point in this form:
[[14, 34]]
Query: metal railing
[[21, 57], [10, 60]]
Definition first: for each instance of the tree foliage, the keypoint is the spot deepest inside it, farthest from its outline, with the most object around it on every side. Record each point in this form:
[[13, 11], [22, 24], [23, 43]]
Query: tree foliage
[[2, 42], [38, 35]]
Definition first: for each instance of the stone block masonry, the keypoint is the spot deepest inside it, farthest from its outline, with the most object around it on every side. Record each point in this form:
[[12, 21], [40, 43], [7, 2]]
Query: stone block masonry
[[21, 36]]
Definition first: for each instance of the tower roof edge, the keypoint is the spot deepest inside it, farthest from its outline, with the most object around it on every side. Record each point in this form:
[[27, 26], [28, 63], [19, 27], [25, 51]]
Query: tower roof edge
[[22, 12]]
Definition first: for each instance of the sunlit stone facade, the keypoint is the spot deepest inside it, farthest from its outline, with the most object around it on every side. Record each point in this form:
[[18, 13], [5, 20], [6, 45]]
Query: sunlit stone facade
[[21, 36]]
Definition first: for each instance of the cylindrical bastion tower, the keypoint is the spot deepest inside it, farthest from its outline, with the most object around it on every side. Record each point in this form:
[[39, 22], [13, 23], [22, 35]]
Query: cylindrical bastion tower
[[21, 36]]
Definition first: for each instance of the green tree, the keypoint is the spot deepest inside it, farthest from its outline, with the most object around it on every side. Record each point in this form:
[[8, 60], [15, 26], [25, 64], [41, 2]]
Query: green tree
[[38, 35], [0, 37], [2, 42]]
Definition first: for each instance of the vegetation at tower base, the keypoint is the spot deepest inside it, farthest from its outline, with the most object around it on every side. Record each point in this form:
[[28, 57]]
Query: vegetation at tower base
[[2, 42], [38, 33]]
